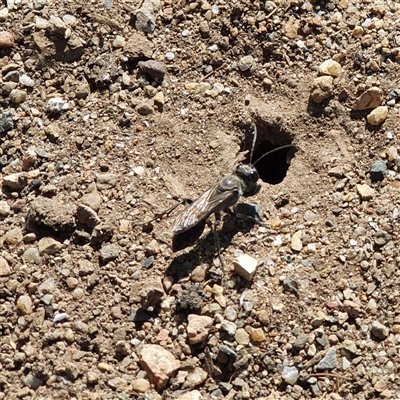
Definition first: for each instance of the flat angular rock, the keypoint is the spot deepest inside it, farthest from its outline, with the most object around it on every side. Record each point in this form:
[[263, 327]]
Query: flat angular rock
[[87, 216], [366, 192], [159, 363], [48, 245], [329, 360], [138, 47], [15, 181], [371, 98], [50, 215], [154, 69], [246, 266]]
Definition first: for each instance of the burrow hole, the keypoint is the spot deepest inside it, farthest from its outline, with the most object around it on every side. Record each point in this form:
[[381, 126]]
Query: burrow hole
[[273, 167]]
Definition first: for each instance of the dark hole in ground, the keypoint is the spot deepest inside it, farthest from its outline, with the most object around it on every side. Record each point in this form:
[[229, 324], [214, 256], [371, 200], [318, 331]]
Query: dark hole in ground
[[273, 167]]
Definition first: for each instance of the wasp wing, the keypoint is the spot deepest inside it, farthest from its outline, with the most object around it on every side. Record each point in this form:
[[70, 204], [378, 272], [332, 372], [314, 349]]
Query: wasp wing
[[209, 202]]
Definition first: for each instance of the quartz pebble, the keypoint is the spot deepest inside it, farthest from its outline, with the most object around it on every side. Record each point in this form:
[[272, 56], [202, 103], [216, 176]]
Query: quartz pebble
[[6, 39], [290, 375], [330, 67], [378, 115], [245, 266], [321, 88]]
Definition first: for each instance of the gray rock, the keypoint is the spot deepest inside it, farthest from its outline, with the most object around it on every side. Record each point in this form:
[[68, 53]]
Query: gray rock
[[246, 63], [379, 330], [6, 122], [378, 171], [228, 327], [31, 256], [109, 252], [300, 341], [329, 360], [106, 181], [154, 69], [146, 16]]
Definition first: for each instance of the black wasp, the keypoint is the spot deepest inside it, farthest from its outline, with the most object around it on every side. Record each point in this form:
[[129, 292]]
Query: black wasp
[[225, 193]]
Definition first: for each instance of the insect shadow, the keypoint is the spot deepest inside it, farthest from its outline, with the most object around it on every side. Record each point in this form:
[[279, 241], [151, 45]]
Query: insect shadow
[[204, 250]]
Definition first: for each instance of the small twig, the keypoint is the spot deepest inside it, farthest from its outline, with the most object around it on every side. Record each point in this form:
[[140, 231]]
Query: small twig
[[272, 13], [330, 375], [212, 72]]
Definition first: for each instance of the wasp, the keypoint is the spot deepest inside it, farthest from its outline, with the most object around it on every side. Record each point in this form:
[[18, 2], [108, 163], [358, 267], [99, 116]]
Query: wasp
[[224, 194]]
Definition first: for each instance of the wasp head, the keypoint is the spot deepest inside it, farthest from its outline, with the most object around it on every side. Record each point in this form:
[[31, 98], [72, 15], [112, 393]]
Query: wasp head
[[250, 177]]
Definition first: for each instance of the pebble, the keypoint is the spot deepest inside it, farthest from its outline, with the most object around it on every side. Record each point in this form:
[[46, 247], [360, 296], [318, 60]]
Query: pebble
[[6, 39], [5, 268], [144, 108], [152, 68], [159, 363], [229, 327], [106, 181], [48, 245], [87, 216], [170, 56], [371, 98], [192, 395], [198, 327], [17, 96], [32, 381], [321, 88], [378, 171], [257, 334], [352, 308], [296, 243], [379, 330], [195, 378], [328, 362], [330, 67], [25, 80], [245, 266], [246, 63], [291, 27], [4, 14], [15, 181], [378, 115], [31, 256], [230, 313], [5, 209], [365, 191], [141, 385], [47, 286], [290, 375], [242, 337], [109, 252], [56, 105], [25, 305], [119, 42]]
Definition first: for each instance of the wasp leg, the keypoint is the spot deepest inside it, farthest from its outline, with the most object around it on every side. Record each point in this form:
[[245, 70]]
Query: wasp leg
[[218, 246], [166, 212]]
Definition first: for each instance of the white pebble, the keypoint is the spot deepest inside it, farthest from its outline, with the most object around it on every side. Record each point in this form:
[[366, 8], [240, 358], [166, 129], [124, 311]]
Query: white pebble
[[185, 32], [25, 80], [169, 55]]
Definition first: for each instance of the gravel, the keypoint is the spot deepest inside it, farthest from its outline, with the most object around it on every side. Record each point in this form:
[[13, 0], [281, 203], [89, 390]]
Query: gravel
[[112, 112]]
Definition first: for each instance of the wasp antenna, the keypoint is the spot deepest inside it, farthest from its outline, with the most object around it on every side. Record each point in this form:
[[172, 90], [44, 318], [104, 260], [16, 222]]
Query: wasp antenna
[[253, 145], [287, 146]]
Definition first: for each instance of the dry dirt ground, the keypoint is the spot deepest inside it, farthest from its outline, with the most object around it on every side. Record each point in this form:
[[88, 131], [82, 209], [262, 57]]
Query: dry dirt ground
[[83, 287]]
